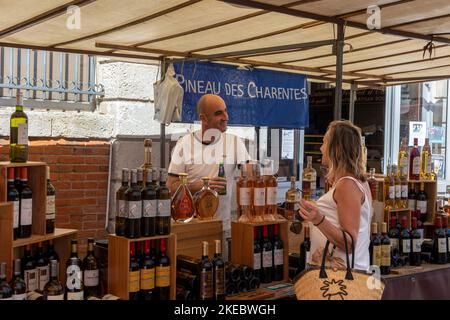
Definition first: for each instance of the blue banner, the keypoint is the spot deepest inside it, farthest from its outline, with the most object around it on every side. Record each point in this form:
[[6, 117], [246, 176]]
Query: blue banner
[[257, 97]]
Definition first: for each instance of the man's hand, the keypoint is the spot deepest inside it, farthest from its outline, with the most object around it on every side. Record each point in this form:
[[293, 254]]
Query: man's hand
[[217, 183]]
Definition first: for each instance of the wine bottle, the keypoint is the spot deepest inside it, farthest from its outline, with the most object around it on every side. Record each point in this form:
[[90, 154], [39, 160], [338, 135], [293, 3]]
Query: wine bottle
[[414, 162], [292, 201], [244, 194], [121, 212], [164, 206], [53, 290], [91, 272], [30, 273], [162, 282], [140, 178], [278, 254], [394, 236], [309, 180], [403, 159], [147, 165], [133, 207], [18, 145], [6, 293], [375, 246], [257, 252], [150, 206], [182, 206], [50, 205], [267, 256], [206, 275], [439, 243], [43, 267], [18, 285], [259, 195], [14, 197], [389, 191], [26, 205], [51, 253], [305, 251], [134, 275], [271, 185], [254, 283], [404, 190], [74, 275], [412, 198], [416, 244], [373, 184], [398, 187], [405, 242], [247, 272], [222, 191], [218, 272], [422, 203], [425, 168], [147, 273], [385, 267]]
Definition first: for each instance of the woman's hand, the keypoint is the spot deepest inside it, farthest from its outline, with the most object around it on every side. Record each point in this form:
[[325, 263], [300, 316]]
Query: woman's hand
[[309, 212]]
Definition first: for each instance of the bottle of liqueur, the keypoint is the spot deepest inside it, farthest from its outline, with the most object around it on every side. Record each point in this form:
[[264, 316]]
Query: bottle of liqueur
[[50, 205], [74, 275], [134, 274], [422, 203], [257, 252], [54, 290], [425, 169], [394, 235], [403, 159], [405, 242], [439, 242], [309, 180], [18, 285], [30, 272], [121, 212], [206, 201], [267, 257], [91, 272], [398, 187], [305, 251], [182, 203], [206, 275], [389, 192], [259, 194], [43, 267], [147, 166], [133, 205], [375, 246], [164, 206], [271, 185], [292, 201], [385, 267], [412, 198], [218, 272], [26, 205], [223, 191], [416, 244], [150, 206], [373, 184], [18, 145], [244, 193], [278, 254], [147, 282], [414, 162], [6, 293], [162, 282], [14, 197]]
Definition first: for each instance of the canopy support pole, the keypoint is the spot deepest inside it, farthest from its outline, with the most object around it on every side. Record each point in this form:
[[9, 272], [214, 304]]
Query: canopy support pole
[[164, 66], [339, 51], [351, 109]]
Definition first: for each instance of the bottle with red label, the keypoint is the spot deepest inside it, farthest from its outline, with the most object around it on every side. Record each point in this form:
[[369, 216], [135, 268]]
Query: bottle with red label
[[183, 208], [414, 162]]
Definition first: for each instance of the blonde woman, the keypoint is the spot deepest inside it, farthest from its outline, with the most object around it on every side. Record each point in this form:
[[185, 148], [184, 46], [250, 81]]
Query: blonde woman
[[347, 205]]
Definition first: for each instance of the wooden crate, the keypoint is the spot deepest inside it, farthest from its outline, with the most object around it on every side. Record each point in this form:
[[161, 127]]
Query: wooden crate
[[242, 243], [399, 213], [119, 263], [190, 236]]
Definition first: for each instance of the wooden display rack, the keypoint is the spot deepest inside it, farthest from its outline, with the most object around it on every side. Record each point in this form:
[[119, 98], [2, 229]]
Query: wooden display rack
[[119, 263], [242, 243]]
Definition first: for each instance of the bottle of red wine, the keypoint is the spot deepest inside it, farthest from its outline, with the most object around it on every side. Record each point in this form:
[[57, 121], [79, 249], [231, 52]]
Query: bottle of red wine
[[50, 205], [74, 275], [439, 243], [30, 273], [305, 249], [257, 252], [206, 275], [133, 204], [6, 293], [162, 286], [14, 197], [267, 255], [218, 272], [51, 253], [43, 267], [278, 254], [91, 272], [416, 244], [405, 242], [375, 246], [134, 275], [121, 210], [385, 267], [163, 215], [26, 205], [147, 273], [150, 206], [394, 235], [18, 285]]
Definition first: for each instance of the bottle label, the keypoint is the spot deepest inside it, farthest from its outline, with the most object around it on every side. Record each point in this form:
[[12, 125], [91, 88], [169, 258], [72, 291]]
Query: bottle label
[[134, 209], [403, 164], [245, 196], [22, 296], [442, 245], [150, 208], [405, 191], [16, 214], [386, 255], [428, 166], [398, 191], [50, 208], [308, 256], [257, 261], [147, 279], [220, 281], [417, 245], [271, 196], [392, 192], [163, 276], [313, 185], [278, 257], [163, 208], [91, 278], [267, 259], [422, 206], [74, 277], [43, 273], [134, 277], [122, 209], [406, 245], [31, 279], [259, 197], [26, 212], [75, 295], [394, 244], [185, 206], [412, 204], [60, 297], [206, 285], [376, 255], [416, 165], [22, 133]]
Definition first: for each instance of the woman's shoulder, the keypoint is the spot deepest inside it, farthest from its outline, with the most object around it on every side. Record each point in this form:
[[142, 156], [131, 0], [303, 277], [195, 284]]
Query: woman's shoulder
[[349, 185]]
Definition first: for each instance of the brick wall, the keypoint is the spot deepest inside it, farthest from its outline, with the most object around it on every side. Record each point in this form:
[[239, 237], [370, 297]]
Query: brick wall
[[79, 172]]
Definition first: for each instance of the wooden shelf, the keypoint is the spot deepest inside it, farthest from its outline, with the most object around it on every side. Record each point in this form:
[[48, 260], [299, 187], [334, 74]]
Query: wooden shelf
[[419, 181], [9, 164], [41, 238], [264, 223], [399, 210]]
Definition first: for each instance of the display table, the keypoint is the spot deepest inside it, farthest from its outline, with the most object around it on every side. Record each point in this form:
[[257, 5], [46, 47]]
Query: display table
[[427, 282]]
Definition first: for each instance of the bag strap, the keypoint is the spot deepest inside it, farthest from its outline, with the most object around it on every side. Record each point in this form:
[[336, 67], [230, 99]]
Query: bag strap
[[323, 273], [349, 275]]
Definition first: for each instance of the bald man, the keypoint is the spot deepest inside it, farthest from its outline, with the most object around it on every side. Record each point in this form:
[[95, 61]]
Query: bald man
[[199, 154]]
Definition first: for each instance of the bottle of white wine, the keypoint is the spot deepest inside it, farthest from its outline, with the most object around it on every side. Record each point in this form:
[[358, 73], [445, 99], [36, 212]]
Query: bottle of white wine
[[18, 144], [54, 290], [74, 282]]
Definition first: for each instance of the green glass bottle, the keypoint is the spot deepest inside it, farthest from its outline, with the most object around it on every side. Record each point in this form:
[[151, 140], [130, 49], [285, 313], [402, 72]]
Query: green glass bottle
[[18, 145], [223, 191]]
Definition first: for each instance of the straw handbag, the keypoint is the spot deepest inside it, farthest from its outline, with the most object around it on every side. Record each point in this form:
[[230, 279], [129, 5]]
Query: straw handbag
[[323, 283]]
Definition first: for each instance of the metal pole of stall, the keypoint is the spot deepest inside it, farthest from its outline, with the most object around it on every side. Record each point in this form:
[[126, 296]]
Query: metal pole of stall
[[351, 110], [257, 130], [162, 125], [339, 51]]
